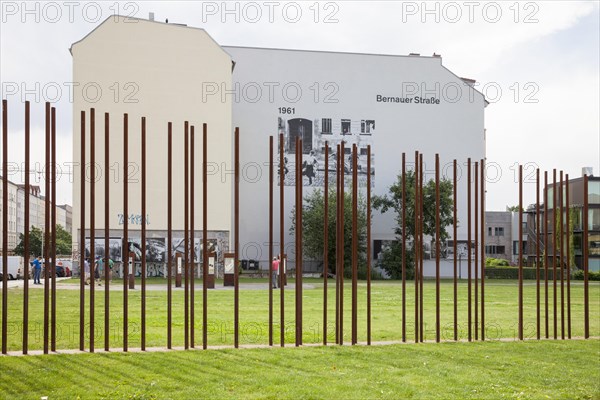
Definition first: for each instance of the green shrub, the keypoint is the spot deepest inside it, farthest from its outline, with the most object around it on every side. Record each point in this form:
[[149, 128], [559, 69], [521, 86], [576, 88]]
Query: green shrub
[[496, 262], [592, 276], [513, 273]]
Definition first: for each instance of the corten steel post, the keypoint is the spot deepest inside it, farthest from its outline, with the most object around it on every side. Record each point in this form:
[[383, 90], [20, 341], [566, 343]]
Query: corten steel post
[[326, 241], [186, 169], [546, 254], [568, 240], [455, 248], [561, 258], [437, 247], [520, 252], [537, 250], [342, 228], [46, 232], [169, 232], [82, 238], [354, 245], [369, 245], [337, 246], [106, 232], [92, 223], [554, 249], [476, 250], [125, 251], [236, 241], [469, 247], [568, 253], [192, 252], [482, 246], [585, 259], [205, 235], [416, 246], [421, 241], [26, 233], [298, 183], [403, 246], [281, 243], [5, 226], [143, 319], [53, 237], [270, 237]]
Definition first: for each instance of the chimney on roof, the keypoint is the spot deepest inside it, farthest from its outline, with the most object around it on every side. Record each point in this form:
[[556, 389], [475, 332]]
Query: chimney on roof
[[151, 16], [589, 171], [414, 54], [437, 55]]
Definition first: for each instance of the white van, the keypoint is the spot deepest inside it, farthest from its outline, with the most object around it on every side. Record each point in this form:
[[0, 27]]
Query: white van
[[15, 267]]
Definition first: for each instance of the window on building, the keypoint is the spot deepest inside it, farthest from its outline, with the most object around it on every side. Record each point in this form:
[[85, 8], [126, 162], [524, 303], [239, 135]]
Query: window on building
[[594, 192], [594, 244], [594, 219], [489, 231], [494, 250], [326, 126], [499, 231], [346, 127]]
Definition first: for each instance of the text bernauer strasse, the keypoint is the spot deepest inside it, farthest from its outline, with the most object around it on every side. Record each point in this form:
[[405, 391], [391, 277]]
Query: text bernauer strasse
[[415, 100]]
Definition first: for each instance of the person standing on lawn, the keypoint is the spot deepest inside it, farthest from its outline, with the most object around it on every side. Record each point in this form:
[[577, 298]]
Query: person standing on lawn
[[37, 270], [275, 272]]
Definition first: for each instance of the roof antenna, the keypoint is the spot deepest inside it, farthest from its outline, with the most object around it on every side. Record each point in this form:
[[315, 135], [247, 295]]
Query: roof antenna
[[167, 21]]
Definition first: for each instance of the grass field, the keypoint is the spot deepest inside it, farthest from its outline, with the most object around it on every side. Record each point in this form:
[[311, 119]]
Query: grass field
[[501, 314], [482, 370]]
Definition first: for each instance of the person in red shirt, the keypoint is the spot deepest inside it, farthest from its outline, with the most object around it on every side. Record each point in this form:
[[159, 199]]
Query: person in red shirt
[[275, 272]]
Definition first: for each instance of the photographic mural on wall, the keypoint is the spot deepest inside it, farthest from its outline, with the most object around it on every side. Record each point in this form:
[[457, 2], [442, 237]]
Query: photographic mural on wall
[[314, 133]]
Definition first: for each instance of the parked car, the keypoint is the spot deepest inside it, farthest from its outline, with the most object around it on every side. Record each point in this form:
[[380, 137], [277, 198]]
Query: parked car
[[15, 267]]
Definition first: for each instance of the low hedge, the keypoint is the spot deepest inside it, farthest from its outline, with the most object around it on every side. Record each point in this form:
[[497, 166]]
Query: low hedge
[[592, 276], [530, 272]]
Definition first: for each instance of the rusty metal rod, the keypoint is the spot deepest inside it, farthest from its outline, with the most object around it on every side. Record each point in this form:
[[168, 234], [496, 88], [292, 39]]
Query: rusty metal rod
[[403, 246], [236, 240], [469, 318], [53, 237], [144, 222], [192, 236], [92, 225], [337, 246], [282, 259], [169, 234], [482, 246], [5, 226], [326, 241], [585, 259], [354, 245], [26, 253], [205, 236], [106, 232], [270, 240], [82, 238], [46, 245], [520, 253], [369, 245], [568, 240], [186, 246], [554, 252], [455, 247], [561, 258], [537, 251], [476, 250], [342, 237], [416, 246], [125, 248], [547, 324], [437, 247], [421, 241]]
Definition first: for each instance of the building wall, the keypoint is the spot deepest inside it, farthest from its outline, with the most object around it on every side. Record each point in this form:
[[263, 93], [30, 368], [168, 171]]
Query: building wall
[[498, 228], [160, 70], [340, 86], [12, 233]]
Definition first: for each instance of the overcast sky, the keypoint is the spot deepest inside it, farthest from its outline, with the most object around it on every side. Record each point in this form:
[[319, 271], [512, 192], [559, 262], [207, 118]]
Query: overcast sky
[[537, 63]]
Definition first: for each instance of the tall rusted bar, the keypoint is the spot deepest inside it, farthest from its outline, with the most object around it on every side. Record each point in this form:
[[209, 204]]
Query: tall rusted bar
[[547, 324], [416, 246], [455, 247], [297, 184], [46, 239], [537, 251], [561, 257], [520, 252], [270, 238], [469, 314], [326, 240], [421, 241], [144, 216], [354, 245], [205, 236], [26, 232], [482, 246], [186, 245], [281, 243], [125, 251], [169, 233], [53, 237], [554, 254], [437, 247], [92, 223], [568, 240], [106, 232], [82, 238], [337, 246], [5, 226], [585, 260], [236, 240], [342, 236], [476, 250], [403, 245], [192, 235], [369, 245]]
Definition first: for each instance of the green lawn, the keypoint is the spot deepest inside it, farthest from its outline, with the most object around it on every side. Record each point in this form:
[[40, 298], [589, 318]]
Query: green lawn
[[523, 370], [501, 314]]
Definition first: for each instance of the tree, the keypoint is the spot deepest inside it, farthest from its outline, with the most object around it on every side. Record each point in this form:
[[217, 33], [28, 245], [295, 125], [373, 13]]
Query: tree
[[313, 213], [513, 208], [391, 261], [36, 237]]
